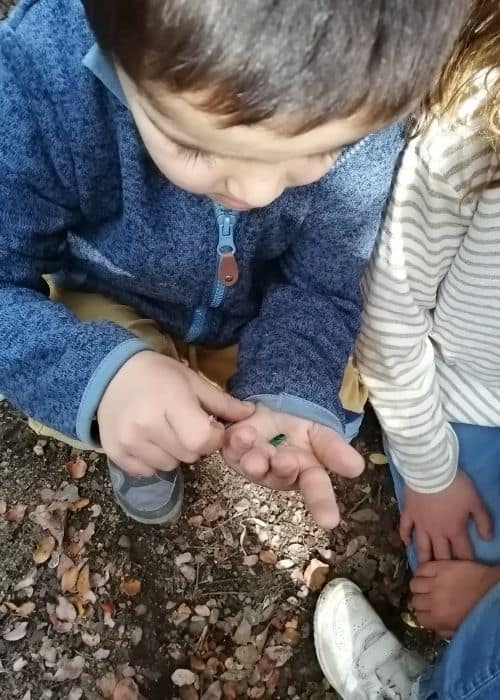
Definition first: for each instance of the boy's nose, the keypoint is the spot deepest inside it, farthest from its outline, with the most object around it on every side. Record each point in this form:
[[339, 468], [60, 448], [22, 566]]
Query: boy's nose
[[256, 189]]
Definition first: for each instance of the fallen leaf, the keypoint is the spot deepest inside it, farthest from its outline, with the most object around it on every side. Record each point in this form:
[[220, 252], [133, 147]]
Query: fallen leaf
[[189, 572], [378, 458], [130, 587], [3, 506], [16, 513], [213, 512], [77, 468], [83, 582], [64, 565], [44, 550], [126, 690], [24, 610], [195, 521], [91, 640], [70, 669], [213, 692], [16, 633], [107, 685], [315, 574], [19, 664], [183, 676], [27, 581], [52, 520], [80, 503], [69, 580], [243, 633], [102, 654], [65, 610], [81, 539], [267, 556]]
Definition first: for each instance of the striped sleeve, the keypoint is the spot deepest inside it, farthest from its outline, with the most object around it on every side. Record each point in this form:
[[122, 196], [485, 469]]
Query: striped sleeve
[[426, 224]]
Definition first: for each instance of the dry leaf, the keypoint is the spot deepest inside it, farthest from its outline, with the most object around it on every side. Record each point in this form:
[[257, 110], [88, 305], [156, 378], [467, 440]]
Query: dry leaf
[[3, 506], [52, 520], [213, 512], [44, 550], [316, 574], [77, 468], [130, 587], [16, 513], [27, 581], [83, 583], [91, 640], [69, 580], [65, 610], [70, 669], [81, 539], [107, 684], [64, 565], [80, 503], [267, 556], [16, 633], [126, 690], [24, 610]]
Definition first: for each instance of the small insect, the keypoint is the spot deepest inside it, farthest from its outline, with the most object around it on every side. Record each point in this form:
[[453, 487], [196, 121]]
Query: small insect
[[278, 440]]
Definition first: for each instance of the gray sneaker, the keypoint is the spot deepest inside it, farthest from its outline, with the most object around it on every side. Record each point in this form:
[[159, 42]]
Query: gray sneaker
[[154, 500]]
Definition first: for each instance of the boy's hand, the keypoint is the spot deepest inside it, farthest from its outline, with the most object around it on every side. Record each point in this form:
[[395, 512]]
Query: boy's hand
[[440, 520], [444, 592], [301, 462], [156, 412]]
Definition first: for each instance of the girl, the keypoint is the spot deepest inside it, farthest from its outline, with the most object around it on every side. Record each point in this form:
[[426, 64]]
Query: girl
[[429, 354]]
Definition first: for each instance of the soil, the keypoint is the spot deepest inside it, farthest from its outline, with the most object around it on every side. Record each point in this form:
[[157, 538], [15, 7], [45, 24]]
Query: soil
[[238, 553]]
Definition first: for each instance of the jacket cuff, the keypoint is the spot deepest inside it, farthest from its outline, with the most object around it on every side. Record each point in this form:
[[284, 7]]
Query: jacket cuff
[[98, 384]]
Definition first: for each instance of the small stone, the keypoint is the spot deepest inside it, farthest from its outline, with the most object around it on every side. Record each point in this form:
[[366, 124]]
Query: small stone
[[124, 542], [183, 676], [19, 664], [230, 690], [197, 664], [247, 655], [213, 692], [285, 564], [279, 655], [189, 692], [365, 515], [267, 556], [316, 574], [140, 610], [184, 558], [258, 692], [251, 560], [202, 610], [195, 521], [243, 633], [38, 450], [189, 572], [378, 459], [136, 636]]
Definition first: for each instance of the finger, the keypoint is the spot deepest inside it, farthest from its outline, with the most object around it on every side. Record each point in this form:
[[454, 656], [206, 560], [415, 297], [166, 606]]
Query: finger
[[423, 544], [156, 458], [238, 440], [441, 548], [219, 402], [422, 602], [462, 547], [333, 452], [319, 497], [428, 569], [135, 467], [483, 521], [194, 428], [287, 462], [421, 584], [254, 464], [406, 524], [161, 436]]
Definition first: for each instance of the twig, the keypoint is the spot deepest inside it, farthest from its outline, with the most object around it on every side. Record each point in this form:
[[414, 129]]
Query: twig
[[358, 504]]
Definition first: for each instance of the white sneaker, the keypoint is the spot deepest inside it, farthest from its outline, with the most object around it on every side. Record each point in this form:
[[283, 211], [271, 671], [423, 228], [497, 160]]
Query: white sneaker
[[360, 658]]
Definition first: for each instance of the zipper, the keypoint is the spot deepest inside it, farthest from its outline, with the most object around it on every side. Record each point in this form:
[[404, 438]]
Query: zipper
[[227, 270]]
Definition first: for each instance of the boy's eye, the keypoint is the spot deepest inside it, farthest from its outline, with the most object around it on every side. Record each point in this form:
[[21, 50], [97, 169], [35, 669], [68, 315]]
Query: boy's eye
[[193, 155]]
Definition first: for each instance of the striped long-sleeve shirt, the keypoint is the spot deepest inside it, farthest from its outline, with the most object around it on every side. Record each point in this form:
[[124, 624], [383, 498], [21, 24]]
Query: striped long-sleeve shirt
[[429, 350]]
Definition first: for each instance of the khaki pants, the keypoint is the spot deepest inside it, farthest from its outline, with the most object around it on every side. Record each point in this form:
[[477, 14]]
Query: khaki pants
[[216, 365]]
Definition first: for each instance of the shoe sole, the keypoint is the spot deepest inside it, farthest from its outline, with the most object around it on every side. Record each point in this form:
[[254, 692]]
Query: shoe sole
[[323, 615], [169, 518]]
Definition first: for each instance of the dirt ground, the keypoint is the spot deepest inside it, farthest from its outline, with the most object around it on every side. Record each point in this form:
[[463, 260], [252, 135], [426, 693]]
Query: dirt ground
[[220, 601]]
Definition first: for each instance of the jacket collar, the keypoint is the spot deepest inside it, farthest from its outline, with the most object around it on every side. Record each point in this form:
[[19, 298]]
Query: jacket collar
[[96, 61]]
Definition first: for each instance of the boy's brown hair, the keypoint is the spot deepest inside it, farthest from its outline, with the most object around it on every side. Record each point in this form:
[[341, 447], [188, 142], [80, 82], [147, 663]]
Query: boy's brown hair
[[301, 62]]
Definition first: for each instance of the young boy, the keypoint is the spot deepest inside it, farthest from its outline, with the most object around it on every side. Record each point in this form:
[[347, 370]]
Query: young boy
[[213, 167]]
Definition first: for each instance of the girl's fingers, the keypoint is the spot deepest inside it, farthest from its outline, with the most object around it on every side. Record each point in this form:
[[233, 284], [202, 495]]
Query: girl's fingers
[[254, 464], [319, 497], [421, 584], [288, 461], [238, 440]]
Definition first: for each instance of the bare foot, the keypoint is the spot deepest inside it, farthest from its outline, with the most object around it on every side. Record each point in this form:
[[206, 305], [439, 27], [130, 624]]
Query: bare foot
[[444, 592]]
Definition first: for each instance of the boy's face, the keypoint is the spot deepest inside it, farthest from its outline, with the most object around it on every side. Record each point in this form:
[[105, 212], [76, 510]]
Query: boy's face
[[240, 167]]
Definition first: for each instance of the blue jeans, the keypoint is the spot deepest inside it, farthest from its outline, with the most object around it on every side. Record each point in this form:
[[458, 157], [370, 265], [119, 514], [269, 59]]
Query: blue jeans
[[469, 668], [479, 457]]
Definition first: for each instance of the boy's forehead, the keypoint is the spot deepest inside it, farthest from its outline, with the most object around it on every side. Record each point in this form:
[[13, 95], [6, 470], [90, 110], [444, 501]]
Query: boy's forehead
[[181, 118]]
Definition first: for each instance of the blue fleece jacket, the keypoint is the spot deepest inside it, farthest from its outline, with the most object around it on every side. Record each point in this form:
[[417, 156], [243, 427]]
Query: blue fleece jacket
[[81, 200]]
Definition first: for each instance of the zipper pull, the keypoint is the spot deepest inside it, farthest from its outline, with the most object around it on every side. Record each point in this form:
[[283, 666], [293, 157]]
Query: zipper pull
[[228, 269]]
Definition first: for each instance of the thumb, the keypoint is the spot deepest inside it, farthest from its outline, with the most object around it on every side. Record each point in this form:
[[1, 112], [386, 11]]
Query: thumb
[[220, 403], [334, 452], [482, 518]]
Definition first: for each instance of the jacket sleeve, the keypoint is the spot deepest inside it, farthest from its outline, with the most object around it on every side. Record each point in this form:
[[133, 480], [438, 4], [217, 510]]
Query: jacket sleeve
[[52, 366], [293, 355]]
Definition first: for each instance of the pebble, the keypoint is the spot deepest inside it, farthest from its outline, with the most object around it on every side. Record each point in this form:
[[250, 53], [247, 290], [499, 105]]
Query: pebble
[[291, 637], [124, 542], [140, 610], [285, 564], [365, 515], [202, 611], [243, 633], [183, 676], [184, 558], [213, 692], [251, 560], [247, 655]]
